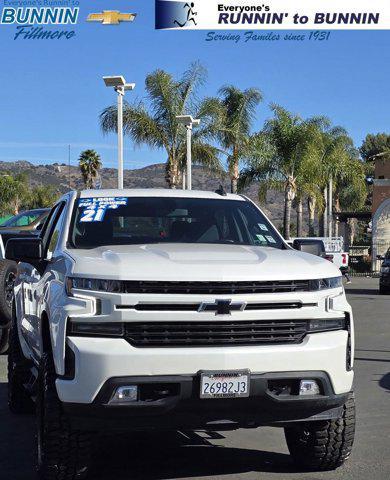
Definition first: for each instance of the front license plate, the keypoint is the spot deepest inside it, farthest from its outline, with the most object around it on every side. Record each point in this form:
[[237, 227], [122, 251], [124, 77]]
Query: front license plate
[[224, 384]]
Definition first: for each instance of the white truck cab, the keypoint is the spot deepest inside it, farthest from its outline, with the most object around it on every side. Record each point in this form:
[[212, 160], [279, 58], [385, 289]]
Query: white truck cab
[[170, 309]]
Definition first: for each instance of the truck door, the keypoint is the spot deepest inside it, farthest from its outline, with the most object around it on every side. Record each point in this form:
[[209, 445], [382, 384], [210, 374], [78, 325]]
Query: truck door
[[33, 283]]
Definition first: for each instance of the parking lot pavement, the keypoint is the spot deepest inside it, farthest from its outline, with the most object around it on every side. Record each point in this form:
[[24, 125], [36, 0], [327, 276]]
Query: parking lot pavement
[[259, 453]]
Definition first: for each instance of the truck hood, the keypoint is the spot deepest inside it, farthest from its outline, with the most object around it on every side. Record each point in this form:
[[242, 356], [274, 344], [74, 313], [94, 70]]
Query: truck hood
[[200, 262]]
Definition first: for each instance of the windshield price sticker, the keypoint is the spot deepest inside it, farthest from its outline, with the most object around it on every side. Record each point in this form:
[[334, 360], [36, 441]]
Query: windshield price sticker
[[270, 239], [95, 208], [263, 227]]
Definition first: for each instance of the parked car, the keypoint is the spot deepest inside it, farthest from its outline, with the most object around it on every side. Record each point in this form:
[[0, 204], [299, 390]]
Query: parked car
[[310, 245], [384, 280], [334, 250], [26, 223], [171, 309]]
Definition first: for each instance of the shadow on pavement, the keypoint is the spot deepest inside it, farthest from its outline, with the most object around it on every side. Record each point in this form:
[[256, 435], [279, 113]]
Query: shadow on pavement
[[368, 350], [372, 359], [362, 291], [146, 456], [384, 382], [17, 442], [172, 455]]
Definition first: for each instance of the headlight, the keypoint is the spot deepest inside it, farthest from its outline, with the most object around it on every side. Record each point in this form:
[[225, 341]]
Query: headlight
[[96, 329], [385, 269], [326, 283], [326, 324], [93, 284]]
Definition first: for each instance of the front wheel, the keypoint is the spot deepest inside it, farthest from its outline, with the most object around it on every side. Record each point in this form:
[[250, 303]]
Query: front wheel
[[323, 445], [63, 452]]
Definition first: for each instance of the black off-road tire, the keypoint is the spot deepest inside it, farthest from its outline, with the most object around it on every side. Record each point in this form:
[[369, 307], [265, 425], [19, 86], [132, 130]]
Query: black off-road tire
[[8, 272], [63, 452], [323, 445], [19, 400], [4, 340], [384, 290]]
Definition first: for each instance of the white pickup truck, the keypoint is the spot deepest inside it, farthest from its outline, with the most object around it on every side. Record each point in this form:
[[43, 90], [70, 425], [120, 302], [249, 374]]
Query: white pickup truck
[[159, 309], [334, 250]]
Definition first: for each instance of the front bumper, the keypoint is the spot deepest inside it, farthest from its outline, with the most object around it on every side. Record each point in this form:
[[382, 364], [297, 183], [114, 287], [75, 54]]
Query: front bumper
[[181, 408], [97, 360]]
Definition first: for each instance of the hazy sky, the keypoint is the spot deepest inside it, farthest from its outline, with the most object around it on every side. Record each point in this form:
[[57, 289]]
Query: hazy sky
[[52, 92]]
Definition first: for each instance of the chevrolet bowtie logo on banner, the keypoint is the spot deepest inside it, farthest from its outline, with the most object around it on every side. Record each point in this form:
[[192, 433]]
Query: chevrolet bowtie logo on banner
[[275, 15], [111, 17]]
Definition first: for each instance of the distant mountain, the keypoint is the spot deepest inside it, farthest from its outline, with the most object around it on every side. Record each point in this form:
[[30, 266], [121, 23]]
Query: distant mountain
[[153, 176]]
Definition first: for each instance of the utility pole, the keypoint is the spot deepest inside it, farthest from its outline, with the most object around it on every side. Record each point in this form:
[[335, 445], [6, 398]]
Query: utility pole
[[69, 167], [325, 217]]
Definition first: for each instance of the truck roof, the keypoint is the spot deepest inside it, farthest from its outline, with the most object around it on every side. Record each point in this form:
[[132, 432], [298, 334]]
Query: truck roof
[[157, 192]]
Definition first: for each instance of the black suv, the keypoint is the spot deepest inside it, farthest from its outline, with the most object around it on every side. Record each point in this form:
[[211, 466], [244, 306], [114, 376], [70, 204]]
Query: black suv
[[384, 281]]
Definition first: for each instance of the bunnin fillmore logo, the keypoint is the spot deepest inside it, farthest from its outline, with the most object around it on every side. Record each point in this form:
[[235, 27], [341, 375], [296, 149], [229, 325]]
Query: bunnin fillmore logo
[[32, 21], [172, 14]]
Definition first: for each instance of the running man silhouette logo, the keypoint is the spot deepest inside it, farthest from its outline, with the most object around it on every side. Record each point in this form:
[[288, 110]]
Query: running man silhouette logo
[[190, 15], [175, 14]]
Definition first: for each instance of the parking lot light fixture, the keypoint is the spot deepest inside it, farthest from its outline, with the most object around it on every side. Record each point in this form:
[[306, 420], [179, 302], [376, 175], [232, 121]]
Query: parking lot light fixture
[[188, 122], [118, 83]]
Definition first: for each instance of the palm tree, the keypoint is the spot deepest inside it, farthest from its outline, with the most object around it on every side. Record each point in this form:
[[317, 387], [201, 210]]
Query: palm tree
[[337, 160], [42, 196], [154, 123], [232, 115], [282, 164], [90, 164]]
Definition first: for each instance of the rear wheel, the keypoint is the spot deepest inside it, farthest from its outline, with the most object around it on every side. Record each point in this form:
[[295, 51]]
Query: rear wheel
[[63, 452], [323, 445], [19, 401], [4, 340], [8, 272], [7, 280]]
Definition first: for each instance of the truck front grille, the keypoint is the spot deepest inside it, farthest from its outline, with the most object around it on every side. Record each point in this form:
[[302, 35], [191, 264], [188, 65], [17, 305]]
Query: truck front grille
[[206, 334], [194, 307], [222, 288]]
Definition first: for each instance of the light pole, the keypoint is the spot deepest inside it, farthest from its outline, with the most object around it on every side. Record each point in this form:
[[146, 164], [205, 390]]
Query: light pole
[[188, 122], [120, 86], [330, 208]]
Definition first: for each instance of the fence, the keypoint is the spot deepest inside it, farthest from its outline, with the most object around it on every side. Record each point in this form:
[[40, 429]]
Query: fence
[[361, 260]]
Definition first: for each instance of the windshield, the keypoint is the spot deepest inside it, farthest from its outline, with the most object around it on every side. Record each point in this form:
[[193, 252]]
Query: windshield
[[146, 220], [24, 219]]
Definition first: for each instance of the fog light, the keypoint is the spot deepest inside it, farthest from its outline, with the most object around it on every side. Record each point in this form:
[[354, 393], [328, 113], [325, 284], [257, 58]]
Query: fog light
[[125, 394], [309, 387]]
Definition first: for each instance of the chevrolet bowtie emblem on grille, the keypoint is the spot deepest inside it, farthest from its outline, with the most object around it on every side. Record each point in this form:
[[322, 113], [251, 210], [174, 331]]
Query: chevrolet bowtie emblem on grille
[[222, 307], [111, 17]]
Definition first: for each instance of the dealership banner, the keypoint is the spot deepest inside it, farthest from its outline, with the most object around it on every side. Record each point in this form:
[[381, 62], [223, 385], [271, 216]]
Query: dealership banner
[[275, 14]]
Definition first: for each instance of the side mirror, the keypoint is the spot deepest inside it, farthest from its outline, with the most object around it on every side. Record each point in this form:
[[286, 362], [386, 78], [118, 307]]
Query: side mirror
[[315, 247], [28, 250]]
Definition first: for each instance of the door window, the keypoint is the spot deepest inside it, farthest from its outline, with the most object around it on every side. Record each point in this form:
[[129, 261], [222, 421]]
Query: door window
[[52, 228]]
